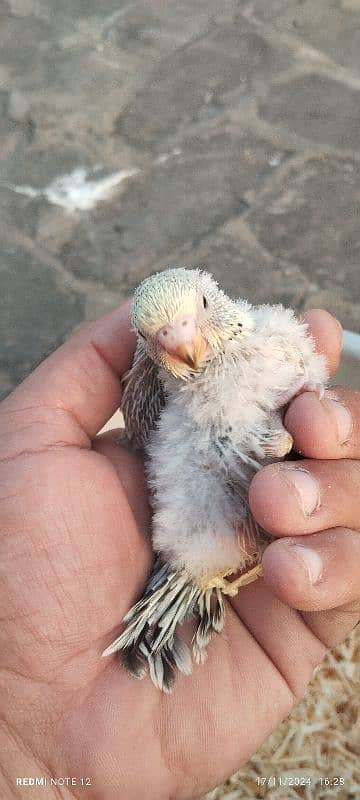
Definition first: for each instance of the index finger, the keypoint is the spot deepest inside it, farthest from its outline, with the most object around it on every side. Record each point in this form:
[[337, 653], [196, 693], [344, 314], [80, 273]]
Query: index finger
[[328, 335], [82, 376]]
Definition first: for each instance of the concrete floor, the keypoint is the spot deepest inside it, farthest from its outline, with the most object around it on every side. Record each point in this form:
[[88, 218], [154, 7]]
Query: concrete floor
[[223, 134]]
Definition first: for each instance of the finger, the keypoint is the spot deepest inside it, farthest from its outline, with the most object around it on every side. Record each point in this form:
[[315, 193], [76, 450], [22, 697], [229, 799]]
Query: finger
[[295, 498], [333, 626], [328, 335], [318, 573], [327, 427], [81, 378], [130, 469]]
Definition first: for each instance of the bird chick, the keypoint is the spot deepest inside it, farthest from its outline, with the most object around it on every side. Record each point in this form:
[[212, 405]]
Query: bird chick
[[204, 398]]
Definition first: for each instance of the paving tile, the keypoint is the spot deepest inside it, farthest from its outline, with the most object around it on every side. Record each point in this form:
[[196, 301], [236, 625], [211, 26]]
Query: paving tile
[[223, 108], [198, 82], [175, 203], [36, 312], [317, 108], [311, 218]]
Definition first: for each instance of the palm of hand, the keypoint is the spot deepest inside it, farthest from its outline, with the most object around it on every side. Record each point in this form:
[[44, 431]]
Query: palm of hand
[[90, 563], [74, 557]]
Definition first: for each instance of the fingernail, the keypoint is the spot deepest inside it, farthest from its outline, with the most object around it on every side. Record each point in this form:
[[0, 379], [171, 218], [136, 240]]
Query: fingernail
[[311, 560], [306, 487], [341, 415]]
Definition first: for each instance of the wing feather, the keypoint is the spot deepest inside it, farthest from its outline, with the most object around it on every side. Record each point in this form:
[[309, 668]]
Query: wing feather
[[143, 397]]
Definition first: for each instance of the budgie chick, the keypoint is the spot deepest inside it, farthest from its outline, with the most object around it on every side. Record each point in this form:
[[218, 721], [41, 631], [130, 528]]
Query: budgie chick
[[204, 398]]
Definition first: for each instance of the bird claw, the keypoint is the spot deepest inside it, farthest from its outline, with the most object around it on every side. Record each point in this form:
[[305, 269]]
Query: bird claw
[[280, 446], [310, 386], [231, 588]]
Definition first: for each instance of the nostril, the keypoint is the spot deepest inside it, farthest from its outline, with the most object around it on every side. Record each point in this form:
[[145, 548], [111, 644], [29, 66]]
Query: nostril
[[177, 333]]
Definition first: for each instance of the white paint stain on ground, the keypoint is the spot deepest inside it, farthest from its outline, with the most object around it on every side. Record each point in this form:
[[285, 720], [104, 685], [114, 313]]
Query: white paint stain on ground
[[163, 157], [76, 192], [275, 160]]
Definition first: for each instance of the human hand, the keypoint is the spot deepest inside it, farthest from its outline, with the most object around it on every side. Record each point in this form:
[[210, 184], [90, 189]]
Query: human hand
[[314, 565], [74, 557]]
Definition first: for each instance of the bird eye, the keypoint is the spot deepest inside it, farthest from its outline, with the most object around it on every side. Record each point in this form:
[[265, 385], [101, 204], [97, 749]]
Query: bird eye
[[205, 302]]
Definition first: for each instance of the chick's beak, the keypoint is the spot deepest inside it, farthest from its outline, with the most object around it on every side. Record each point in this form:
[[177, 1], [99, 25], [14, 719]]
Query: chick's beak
[[183, 340]]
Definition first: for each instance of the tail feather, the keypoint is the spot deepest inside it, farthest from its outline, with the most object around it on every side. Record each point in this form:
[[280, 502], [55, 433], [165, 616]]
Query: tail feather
[[212, 618], [157, 576], [135, 662], [218, 617], [150, 641], [179, 653], [161, 674], [173, 616]]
